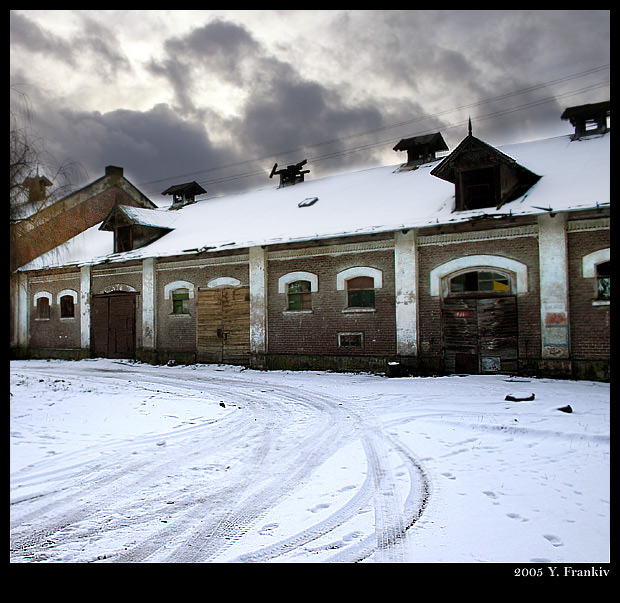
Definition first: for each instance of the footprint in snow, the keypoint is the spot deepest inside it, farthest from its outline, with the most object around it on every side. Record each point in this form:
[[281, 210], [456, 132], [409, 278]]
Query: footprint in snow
[[554, 540], [516, 516]]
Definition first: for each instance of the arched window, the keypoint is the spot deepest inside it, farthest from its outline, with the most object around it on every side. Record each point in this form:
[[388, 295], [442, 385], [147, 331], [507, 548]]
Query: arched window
[[42, 302], [67, 299], [67, 307], [480, 281], [43, 308], [299, 295]]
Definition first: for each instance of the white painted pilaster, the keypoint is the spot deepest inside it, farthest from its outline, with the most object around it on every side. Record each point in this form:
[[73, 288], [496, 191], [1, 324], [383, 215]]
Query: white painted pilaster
[[149, 283], [553, 264], [85, 286], [258, 300], [406, 289], [23, 311]]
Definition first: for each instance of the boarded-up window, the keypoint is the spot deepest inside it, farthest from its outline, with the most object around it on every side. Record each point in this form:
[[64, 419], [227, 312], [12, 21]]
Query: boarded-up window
[[361, 292], [299, 296], [43, 308], [67, 307]]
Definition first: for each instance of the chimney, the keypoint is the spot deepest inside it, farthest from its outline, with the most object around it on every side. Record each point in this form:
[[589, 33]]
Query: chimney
[[588, 119], [421, 149], [36, 186], [291, 174], [184, 194], [112, 170]]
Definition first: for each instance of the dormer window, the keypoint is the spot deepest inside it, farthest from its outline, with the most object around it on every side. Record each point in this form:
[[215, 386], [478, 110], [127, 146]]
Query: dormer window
[[136, 227], [483, 176], [478, 188]]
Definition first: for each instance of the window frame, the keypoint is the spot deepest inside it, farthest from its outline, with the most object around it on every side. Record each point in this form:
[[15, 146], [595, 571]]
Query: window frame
[[478, 291], [180, 300], [603, 282], [302, 299], [361, 297]]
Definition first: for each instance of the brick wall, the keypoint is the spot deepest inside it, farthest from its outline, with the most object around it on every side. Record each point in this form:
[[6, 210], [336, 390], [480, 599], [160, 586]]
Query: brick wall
[[55, 332], [317, 332], [177, 333], [522, 249], [589, 324]]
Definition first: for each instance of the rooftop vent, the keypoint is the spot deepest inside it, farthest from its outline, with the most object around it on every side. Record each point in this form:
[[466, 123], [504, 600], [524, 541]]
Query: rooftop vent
[[421, 149], [588, 119], [184, 194], [291, 174]]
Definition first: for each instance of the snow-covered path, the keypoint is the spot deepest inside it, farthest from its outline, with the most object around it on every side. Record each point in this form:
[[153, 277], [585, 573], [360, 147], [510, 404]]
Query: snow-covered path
[[126, 462]]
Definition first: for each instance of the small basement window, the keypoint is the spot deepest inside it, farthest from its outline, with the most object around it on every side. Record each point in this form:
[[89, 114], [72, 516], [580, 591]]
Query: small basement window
[[180, 301], [361, 292], [299, 296], [480, 281], [350, 340], [603, 278]]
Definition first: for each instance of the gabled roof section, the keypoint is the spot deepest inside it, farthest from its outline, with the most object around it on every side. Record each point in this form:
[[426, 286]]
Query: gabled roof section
[[473, 154], [128, 215]]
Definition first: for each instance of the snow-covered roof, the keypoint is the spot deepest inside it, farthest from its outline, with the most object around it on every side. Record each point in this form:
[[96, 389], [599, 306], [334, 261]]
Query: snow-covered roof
[[574, 176]]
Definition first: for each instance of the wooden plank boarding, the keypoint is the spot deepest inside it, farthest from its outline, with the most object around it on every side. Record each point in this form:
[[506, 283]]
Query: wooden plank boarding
[[223, 325]]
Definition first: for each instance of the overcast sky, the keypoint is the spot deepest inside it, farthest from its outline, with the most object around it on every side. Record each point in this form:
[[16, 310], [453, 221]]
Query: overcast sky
[[220, 96]]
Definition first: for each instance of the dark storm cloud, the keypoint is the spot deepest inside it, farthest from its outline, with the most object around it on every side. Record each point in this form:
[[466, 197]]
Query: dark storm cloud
[[149, 145], [425, 70], [95, 41], [283, 109]]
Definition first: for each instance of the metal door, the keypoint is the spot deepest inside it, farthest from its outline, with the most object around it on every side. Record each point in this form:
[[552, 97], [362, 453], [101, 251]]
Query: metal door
[[223, 325]]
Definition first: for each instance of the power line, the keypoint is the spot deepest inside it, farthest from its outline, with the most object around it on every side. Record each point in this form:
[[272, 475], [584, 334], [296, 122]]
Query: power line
[[399, 124]]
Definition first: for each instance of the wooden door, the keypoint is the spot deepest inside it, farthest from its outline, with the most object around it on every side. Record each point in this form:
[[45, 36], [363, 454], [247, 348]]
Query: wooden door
[[480, 335], [114, 325], [223, 325]]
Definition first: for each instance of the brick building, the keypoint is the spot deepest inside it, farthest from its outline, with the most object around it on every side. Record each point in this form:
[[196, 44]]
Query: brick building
[[484, 260]]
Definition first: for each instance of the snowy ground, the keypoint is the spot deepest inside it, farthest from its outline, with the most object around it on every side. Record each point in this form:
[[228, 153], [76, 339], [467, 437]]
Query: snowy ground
[[116, 461]]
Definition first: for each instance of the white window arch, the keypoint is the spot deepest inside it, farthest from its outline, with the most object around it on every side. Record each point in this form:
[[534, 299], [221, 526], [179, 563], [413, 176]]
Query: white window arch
[[223, 281], [70, 292], [592, 260], [479, 262], [349, 273], [292, 277], [44, 294], [174, 285]]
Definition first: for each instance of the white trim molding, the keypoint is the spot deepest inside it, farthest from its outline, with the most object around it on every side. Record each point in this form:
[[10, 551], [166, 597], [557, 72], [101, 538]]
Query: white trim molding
[[221, 282], [349, 273], [293, 277], [45, 294], [174, 285], [479, 262], [69, 292], [592, 260]]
